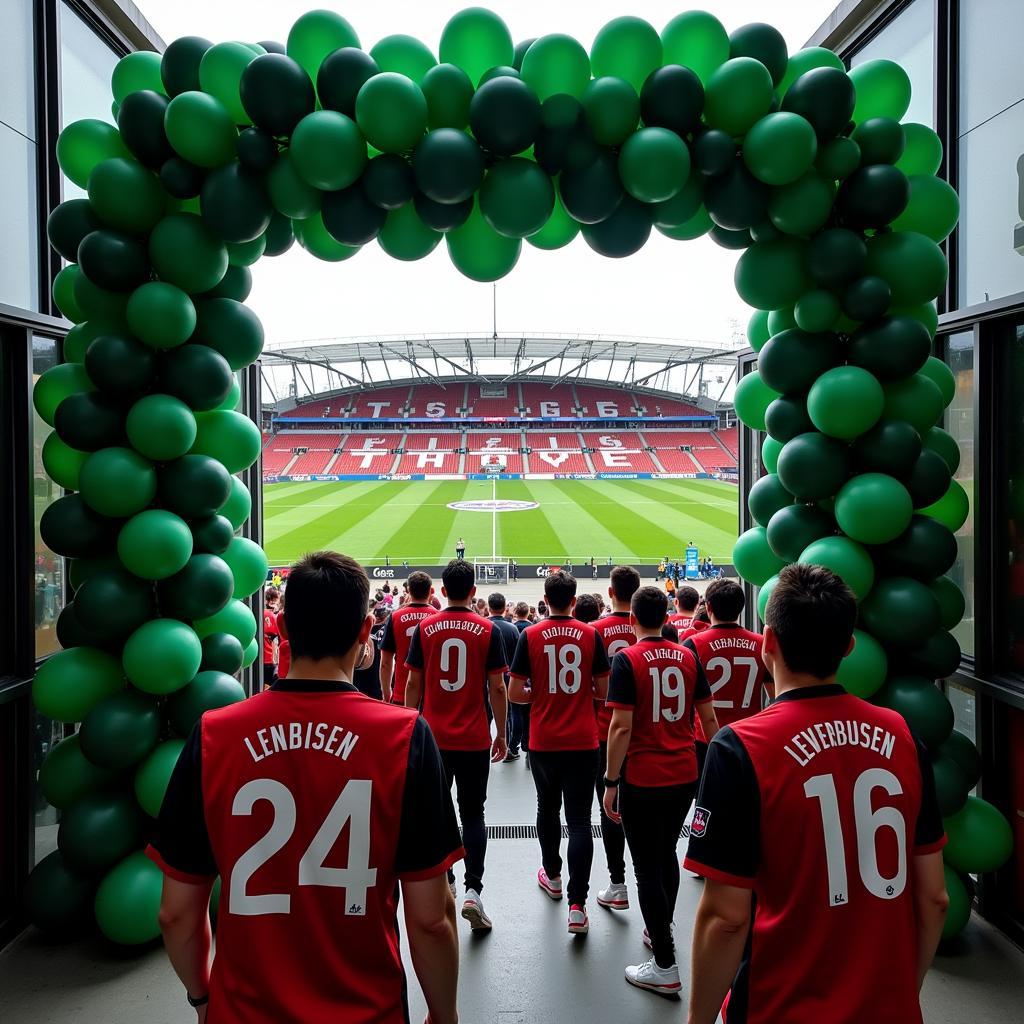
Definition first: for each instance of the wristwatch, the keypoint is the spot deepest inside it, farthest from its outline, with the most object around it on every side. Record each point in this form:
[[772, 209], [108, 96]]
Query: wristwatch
[[611, 783], [200, 1001]]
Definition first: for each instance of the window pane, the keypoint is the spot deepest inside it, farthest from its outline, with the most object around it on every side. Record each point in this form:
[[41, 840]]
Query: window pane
[[49, 576], [959, 421], [1010, 425], [990, 70], [48, 735], [909, 40], [17, 71], [19, 267]]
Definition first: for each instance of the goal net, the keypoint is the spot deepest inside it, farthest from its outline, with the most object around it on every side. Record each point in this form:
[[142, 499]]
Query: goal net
[[490, 571]]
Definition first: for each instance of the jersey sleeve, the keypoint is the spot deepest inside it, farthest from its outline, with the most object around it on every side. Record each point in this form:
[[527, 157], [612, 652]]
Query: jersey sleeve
[[930, 834], [600, 666], [622, 684], [496, 660], [521, 659], [414, 656], [725, 836], [702, 690], [387, 642], [428, 834], [181, 843]]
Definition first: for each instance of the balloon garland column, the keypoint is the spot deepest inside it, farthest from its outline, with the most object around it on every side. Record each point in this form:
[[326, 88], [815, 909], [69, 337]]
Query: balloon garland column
[[225, 153]]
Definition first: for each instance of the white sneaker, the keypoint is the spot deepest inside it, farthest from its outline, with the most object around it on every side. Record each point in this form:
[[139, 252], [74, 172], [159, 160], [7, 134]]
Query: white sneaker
[[579, 923], [615, 897], [473, 912], [663, 980]]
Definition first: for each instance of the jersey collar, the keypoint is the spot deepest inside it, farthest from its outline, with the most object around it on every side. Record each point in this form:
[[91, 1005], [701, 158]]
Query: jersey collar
[[809, 692], [313, 686], [618, 615], [651, 639], [725, 625], [459, 608]]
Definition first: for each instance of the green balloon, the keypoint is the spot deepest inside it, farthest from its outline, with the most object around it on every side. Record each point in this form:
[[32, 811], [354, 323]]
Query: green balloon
[[845, 402], [209, 690], [883, 90], [612, 107], [117, 482], [980, 838], [125, 195], [960, 900], [766, 497], [184, 252], [85, 144], [770, 275], [135, 72], [57, 900], [161, 656], [98, 830], [770, 450], [780, 320], [252, 652], [951, 601], [200, 129], [222, 653], [235, 618], [476, 40], [921, 703], [816, 310], [952, 509], [405, 237], [873, 508], [201, 589], [942, 376], [69, 684], [803, 206], [220, 75], [82, 335], [751, 399], [516, 198], [316, 34], [862, 672], [556, 64], [696, 40], [628, 48], [699, 224], [327, 151], [63, 293], [121, 730], [152, 776], [238, 507], [248, 564], [764, 594], [754, 559], [289, 192], [806, 60], [890, 254], [95, 302], [780, 148], [161, 427], [66, 774], [757, 329], [62, 463], [951, 784], [925, 313], [792, 361], [194, 487], [792, 528], [403, 55], [154, 544], [933, 210], [128, 901], [448, 92], [559, 230], [739, 93], [654, 164], [161, 315], [923, 152], [230, 437], [916, 399], [314, 237], [846, 558], [391, 112], [901, 612], [479, 252], [230, 328], [55, 384]]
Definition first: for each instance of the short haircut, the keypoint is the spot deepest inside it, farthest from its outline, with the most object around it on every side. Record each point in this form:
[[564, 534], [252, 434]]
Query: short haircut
[[328, 595], [271, 594], [725, 600], [496, 602], [522, 610], [458, 579], [812, 613], [687, 598], [587, 608], [542, 608], [418, 584], [650, 607], [560, 589], [625, 582]]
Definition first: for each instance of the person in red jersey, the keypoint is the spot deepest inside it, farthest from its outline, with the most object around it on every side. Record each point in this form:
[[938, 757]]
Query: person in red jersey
[[311, 802], [686, 602], [398, 633], [656, 687], [823, 806], [284, 647], [565, 663], [269, 633], [456, 660]]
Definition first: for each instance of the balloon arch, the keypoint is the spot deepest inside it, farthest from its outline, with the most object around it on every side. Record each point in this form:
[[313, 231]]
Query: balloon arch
[[225, 153]]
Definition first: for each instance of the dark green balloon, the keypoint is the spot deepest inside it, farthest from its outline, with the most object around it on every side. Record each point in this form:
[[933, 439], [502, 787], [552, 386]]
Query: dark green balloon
[[121, 730], [590, 194], [58, 901], [68, 224], [234, 204], [792, 528], [836, 256], [867, 298], [209, 690], [279, 239], [94, 301], [505, 116], [623, 233], [441, 216], [766, 497], [194, 486], [729, 239], [951, 785], [448, 91], [937, 440], [517, 197], [901, 612], [825, 97], [89, 421], [929, 479], [66, 775], [185, 252], [565, 140], [212, 534], [197, 374], [838, 159], [179, 65], [140, 120], [85, 567], [388, 181], [916, 399], [120, 366], [199, 590], [342, 74], [937, 658], [813, 466], [881, 140], [98, 830], [69, 527], [71, 633], [771, 275], [714, 152], [735, 199], [236, 283], [786, 417], [113, 604], [257, 150], [223, 653], [231, 328], [350, 217], [891, 446], [448, 166], [674, 212], [181, 179], [921, 703], [924, 550], [672, 97], [965, 754], [613, 110], [125, 195], [763, 43], [276, 93], [891, 348], [520, 52], [873, 196], [790, 362]]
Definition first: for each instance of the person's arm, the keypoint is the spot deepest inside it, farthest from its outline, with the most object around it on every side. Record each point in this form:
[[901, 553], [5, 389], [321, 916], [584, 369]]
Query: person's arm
[[600, 668], [931, 903], [719, 935], [387, 671], [413, 685], [185, 925], [619, 733], [499, 706], [434, 945], [703, 702], [518, 691]]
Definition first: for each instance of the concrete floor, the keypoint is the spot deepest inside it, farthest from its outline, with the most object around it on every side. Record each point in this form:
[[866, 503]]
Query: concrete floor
[[528, 971]]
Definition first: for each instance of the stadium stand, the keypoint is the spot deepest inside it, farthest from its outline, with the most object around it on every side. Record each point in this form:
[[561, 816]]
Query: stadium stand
[[313, 461], [368, 440], [605, 401], [675, 461], [369, 461], [553, 461], [430, 400], [554, 440], [275, 460], [475, 461], [714, 459], [679, 438], [611, 439], [614, 460], [430, 463], [655, 406], [731, 439], [328, 439], [381, 403], [433, 440], [335, 406], [543, 400], [503, 408], [493, 440]]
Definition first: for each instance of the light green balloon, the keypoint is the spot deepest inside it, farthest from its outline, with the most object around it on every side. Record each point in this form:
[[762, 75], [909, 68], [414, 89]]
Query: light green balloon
[[69, 684], [248, 564], [403, 55], [405, 237], [780, 148], [770, 449], [696, 40], [654, 164], [923, 151], [127, 901], [476, 40], [84, 144], [752, 399], [200, 129], [135, 72], [162, 656], [154, 544], [556, 64], [153, 774], [738, 94], [862, 672], [952, 509], [754, 559], [55, 384], [319, 242], [807, 60], [230, 437], [559, 230], [62, 463], [479, 252], [627, 48], [220, 73], [252, 652], [316, 34], [327, 150], [238, 507], [845, 402], [234, 618], [873, 508], [883, 90], [933, 210], [63, 293], [391, 112]]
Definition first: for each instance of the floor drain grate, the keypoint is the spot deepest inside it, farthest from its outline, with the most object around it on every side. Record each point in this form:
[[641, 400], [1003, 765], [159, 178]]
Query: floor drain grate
[[529, 831]]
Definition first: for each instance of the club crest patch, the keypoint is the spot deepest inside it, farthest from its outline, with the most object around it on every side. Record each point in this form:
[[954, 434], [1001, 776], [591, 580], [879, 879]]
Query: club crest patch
[[699, 825]]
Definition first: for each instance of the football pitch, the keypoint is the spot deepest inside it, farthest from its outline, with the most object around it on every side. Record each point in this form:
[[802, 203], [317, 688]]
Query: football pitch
[[627, 521]]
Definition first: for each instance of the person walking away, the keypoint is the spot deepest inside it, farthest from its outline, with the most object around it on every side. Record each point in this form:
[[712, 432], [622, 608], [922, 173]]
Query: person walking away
[[269, 635], [460, 549], [367, 675], [497, 606], [394, 645], [686, 601]]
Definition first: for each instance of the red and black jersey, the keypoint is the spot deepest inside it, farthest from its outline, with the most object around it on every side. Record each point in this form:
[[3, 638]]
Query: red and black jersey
[[457, 649], [284, 649], [731, 658], [661, 683], [818, 804], [617, 634], [310, 801], [397, 637], [561, 657], [683, 620], [270, 633]]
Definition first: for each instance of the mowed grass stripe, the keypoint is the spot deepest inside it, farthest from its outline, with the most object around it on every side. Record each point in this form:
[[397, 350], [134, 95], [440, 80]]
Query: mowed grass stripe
[[719, 519], [284, 520], [585, 527], [541, 533], [417, 533], [317, 493], [698, 489], [473, 527]]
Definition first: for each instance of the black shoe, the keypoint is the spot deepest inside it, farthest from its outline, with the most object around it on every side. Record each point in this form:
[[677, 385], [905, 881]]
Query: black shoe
[[528, 761], [512, 755]]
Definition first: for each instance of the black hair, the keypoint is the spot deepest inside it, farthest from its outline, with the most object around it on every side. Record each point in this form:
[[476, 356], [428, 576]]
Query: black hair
[[458, 579], [587, 608], [725, 600], [687, 598], [522, 610], [560, 589], [496, 602], [328, 595], [650, 607], [625, 581], [418, 584]]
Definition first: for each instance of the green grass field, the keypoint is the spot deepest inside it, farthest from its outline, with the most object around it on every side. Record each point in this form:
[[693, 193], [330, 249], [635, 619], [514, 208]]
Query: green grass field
[[629, 520]]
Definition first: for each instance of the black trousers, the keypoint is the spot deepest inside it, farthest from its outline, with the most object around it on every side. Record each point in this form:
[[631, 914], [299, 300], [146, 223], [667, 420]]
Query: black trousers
[[514, 728], [612, 836], [652, 818], [469, 770], [565, 775]]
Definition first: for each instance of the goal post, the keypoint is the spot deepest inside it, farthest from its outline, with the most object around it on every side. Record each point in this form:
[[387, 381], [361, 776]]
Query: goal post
[[491, 571]]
